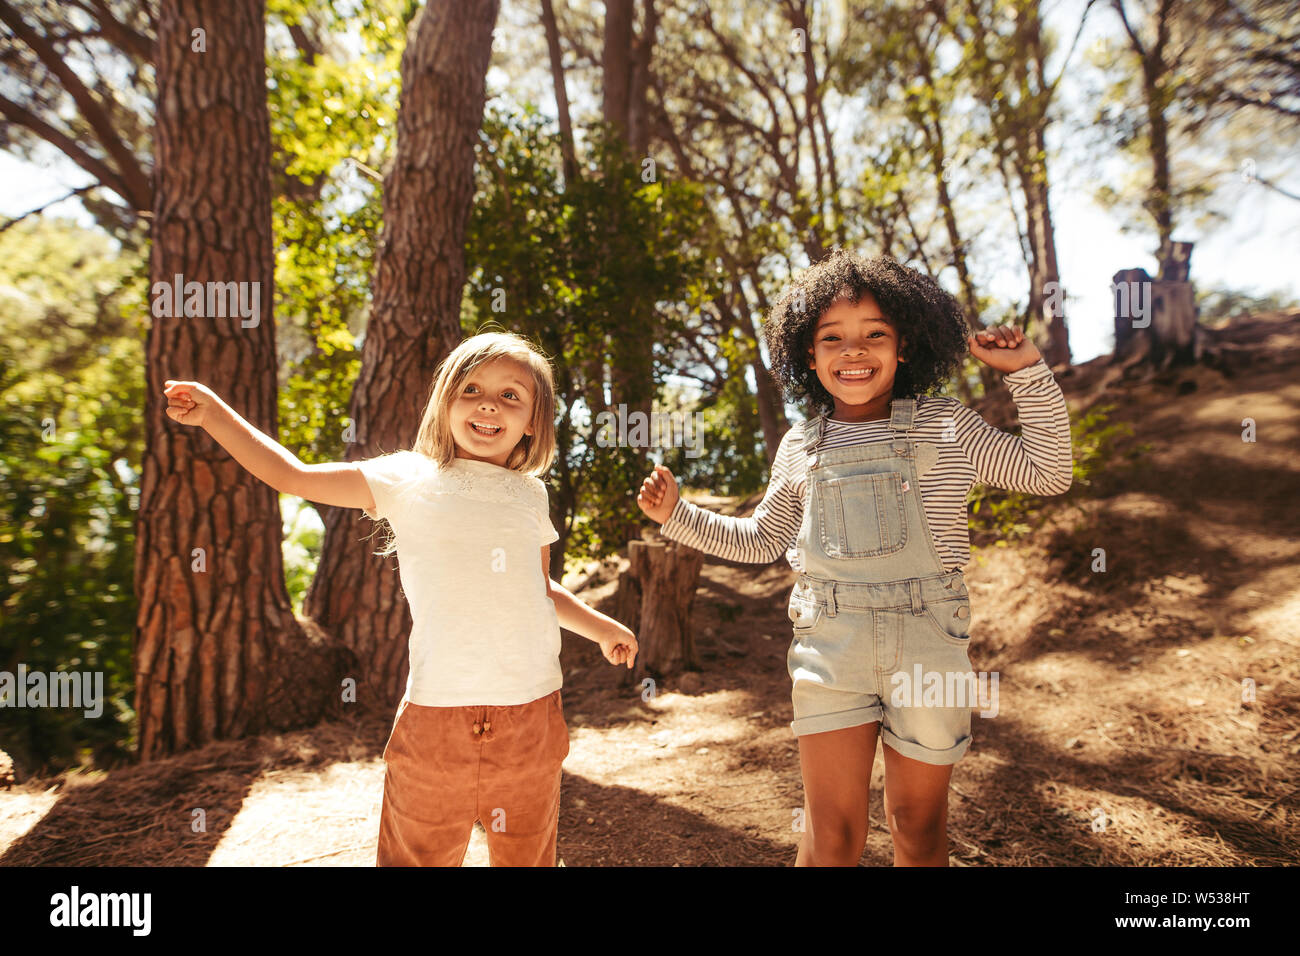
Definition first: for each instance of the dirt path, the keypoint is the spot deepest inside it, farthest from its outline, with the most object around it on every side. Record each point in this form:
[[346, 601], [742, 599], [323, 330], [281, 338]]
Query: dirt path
[[1121, 736]]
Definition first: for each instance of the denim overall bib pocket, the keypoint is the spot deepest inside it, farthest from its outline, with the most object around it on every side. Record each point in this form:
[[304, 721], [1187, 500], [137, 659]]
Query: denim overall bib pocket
[[880, 629]]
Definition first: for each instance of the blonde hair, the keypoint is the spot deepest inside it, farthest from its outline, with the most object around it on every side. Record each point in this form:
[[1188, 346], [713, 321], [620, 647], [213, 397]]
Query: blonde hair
[[534, 453]]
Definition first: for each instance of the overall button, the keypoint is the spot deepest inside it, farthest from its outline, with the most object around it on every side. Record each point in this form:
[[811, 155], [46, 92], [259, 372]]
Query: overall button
[[963, 611]]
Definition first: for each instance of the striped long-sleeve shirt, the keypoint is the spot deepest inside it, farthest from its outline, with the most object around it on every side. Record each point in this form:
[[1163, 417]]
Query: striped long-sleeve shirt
[[1038, 461]]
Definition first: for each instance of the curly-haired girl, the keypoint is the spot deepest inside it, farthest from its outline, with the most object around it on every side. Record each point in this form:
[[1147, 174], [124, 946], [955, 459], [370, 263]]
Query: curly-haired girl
[[868, 500]]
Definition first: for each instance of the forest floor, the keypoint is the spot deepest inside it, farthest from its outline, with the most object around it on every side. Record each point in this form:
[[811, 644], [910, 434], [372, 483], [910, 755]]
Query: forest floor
[[1121, 735]]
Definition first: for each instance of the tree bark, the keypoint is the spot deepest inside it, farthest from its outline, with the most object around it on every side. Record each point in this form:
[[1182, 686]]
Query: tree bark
[[629, 360], [1031, 120], [561, 93], [932, 132], [1043, 268], [815, 118], [771, 410], [616, 62], [1155, 74], [218, 653], [415, 319], [654, 599], [931, 124], [638, 121], [771, 407]]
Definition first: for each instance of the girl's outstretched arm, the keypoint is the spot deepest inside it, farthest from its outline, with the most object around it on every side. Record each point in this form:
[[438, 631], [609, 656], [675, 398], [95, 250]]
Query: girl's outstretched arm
[[758, 539], [1040, 460], [617, 643], [337, 483]]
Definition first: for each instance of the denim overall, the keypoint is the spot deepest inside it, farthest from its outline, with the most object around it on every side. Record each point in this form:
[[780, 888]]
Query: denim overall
[[877, 621]]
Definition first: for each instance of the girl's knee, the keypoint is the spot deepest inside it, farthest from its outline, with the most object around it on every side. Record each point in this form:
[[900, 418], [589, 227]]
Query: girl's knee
[[920, 828], [836, 839]]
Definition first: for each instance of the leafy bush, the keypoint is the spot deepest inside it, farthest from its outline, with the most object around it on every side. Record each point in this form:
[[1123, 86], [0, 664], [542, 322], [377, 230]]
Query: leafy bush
[[72, 380]]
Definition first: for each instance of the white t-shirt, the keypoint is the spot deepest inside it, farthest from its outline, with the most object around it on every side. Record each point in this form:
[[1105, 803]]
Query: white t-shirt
[[469, 540]]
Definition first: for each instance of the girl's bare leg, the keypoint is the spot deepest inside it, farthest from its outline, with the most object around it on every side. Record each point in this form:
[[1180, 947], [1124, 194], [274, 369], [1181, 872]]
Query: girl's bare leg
[[836, 784], [916, 806]]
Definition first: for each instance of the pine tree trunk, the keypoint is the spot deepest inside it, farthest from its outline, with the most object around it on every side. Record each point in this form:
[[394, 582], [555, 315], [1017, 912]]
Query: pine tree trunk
[[616, 62], [771, 413], [415, 318], [218, 653], [1042, 247], [625, 62], [567, 149], [1160, 198]]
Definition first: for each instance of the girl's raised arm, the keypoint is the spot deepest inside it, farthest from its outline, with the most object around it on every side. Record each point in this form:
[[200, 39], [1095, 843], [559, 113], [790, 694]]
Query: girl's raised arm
[[759, 539], [337, 483], [1041, 460]]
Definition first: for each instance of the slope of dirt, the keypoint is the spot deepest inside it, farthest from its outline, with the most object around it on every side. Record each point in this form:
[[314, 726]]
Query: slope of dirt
[[1124, 733]]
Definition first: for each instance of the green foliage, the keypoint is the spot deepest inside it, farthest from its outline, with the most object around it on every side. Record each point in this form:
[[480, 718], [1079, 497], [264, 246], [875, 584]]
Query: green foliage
[[733, 461], [71, 373], [999, 516], [303, 534], [320, 274], [594, 271], [326, 112]]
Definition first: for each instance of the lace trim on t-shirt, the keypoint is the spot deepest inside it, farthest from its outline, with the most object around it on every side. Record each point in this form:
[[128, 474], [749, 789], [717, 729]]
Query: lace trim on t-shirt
[[496, 485]]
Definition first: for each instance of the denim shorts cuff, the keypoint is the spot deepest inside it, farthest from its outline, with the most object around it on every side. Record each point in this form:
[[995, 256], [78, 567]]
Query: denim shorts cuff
[[914, 750], [821, 723]]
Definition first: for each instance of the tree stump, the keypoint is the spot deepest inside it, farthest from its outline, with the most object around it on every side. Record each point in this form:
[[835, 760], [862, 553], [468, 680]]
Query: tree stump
[[1155, 319], [654, 599]]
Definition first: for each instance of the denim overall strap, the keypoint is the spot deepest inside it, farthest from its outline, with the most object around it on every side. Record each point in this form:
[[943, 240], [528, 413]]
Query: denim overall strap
[[812, 432], [902, 414], [902, 420]]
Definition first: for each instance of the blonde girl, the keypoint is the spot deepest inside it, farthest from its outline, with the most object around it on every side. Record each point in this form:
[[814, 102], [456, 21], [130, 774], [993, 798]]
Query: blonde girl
[[479, 734]]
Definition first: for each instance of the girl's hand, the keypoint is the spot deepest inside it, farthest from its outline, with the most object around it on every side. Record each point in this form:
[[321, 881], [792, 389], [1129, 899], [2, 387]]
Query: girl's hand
[[658, 495], [190, 403], [1004, 348], [619, 647]]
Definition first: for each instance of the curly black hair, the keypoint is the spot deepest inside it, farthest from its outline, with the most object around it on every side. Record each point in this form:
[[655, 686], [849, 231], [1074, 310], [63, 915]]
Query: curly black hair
[[931, 321]]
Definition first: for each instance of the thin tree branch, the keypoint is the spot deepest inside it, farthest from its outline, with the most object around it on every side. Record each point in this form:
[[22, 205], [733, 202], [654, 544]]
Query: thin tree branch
[[134, 185], [101, 171], [53, 202]]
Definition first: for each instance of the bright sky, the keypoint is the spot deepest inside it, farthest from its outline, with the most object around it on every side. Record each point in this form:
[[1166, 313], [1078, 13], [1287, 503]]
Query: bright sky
[[1257, 250]]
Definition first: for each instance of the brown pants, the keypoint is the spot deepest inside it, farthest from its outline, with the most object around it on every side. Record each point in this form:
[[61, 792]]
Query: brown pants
[[448, 767]]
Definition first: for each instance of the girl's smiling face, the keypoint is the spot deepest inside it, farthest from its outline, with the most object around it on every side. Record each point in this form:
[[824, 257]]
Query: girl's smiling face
[[855, 354], [493, 412]]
